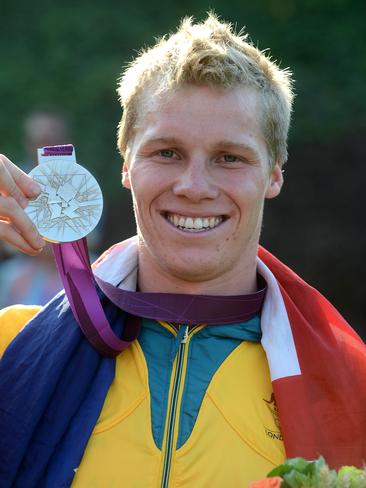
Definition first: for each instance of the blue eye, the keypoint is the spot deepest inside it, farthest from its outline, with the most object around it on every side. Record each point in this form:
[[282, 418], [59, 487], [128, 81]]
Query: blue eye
[[167, 153], [230, 158]]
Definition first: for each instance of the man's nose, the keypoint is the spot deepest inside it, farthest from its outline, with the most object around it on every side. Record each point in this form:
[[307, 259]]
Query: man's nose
[[196, 182]]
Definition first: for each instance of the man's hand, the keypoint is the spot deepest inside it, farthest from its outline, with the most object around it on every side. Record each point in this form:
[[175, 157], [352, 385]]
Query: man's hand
[[16, 187]]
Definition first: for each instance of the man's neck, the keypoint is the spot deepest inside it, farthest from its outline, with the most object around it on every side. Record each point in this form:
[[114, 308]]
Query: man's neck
[[239, 281]]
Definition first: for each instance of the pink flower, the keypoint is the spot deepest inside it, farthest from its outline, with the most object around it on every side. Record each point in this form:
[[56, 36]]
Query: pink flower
[[274, 482]]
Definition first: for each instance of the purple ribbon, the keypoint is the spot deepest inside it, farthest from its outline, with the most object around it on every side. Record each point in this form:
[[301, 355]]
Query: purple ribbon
[[186, 309], [73, 264], [64, 150], [74, 268]]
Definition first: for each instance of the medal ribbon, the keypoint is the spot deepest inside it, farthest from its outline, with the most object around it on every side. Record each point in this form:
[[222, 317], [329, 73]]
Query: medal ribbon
[[186, 309], [79, 282], [73, 265]]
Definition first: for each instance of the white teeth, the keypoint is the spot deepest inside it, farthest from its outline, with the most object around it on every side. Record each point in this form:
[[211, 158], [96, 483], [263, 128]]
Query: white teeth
[[194, 224], [189, 223], [198, 223]]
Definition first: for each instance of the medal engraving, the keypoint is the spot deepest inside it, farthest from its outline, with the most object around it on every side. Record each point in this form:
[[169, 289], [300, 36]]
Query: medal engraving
[[70, 204]]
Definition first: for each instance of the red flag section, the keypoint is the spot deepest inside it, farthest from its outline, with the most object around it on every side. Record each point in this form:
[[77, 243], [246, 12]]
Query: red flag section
[[322, 410]]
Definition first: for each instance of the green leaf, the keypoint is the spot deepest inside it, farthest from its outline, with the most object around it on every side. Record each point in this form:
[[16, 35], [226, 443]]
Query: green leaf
[[294, 464], [295, 479], [351, 477], [300, 473]]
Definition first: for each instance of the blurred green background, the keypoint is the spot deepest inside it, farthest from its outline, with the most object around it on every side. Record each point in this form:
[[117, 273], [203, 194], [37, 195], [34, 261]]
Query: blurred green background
[[68, 55]]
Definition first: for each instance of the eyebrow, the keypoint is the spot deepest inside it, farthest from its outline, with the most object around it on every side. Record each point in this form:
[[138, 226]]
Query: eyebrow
[[237, 146], [164, 140], [223, 144]]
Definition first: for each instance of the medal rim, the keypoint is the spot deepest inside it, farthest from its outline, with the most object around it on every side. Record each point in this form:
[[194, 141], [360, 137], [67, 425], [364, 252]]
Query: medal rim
[[67, 164]]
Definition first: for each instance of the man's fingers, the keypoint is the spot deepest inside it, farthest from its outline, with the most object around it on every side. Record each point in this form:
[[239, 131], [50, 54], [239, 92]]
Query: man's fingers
[[12, 236], [16, 183], [16, 228], [20, 223], [8, 187]]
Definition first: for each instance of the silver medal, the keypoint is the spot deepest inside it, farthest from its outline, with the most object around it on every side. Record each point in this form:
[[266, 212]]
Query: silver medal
[[70, 204]]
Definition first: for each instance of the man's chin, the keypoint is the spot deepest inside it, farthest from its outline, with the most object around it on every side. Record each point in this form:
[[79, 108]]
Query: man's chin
[[194, 271]]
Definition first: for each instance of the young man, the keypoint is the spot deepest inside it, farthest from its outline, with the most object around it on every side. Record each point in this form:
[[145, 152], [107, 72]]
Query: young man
[[244, 363]]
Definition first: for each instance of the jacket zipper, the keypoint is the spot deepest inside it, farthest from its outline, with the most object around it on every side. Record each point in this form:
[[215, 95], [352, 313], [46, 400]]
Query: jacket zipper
[[177, 382]]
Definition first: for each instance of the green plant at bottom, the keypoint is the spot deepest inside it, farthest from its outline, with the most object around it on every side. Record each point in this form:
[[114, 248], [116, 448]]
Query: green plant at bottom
[[299, 473]]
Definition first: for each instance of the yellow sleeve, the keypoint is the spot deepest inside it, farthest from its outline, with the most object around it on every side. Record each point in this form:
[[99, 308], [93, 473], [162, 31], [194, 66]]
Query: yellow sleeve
[[12, 320]]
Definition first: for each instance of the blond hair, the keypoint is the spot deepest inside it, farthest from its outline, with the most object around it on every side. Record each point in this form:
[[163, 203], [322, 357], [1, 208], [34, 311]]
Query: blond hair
[[208, 53]]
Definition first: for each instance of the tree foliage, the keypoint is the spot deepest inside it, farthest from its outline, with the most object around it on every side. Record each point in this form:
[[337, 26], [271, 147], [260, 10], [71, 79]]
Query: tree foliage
[[68, 55]]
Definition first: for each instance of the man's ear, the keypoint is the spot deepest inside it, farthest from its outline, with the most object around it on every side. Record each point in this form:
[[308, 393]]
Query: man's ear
[[126, 176], [275, 181]]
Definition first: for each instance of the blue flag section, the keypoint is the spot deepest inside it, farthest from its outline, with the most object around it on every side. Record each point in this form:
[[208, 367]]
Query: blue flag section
[[52, 387]]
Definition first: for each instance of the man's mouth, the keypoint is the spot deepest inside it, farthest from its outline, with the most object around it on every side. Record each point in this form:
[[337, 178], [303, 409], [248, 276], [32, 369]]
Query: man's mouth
[[194, 224]]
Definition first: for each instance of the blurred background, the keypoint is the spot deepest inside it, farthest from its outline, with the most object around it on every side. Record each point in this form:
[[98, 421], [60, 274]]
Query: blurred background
[[63, 59]]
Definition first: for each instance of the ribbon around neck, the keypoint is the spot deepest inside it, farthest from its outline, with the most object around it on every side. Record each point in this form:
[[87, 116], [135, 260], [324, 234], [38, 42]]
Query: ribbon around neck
[[181, 308], [73, 264]]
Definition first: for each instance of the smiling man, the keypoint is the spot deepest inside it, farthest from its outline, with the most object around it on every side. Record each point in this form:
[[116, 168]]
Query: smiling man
[[238, 363]]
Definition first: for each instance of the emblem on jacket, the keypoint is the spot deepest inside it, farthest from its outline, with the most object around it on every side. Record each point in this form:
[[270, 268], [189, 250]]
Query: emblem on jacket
[[272, 406]]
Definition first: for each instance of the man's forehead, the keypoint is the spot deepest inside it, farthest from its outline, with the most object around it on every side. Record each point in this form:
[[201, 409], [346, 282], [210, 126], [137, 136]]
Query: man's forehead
[[202, 115], [152, 100], [235, 108]]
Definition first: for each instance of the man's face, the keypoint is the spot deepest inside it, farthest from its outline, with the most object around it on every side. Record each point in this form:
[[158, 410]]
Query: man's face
[[199, 172]]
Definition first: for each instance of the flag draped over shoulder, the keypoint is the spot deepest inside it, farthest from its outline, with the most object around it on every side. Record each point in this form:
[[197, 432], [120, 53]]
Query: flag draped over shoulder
[[323, 409], [53, 384]]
